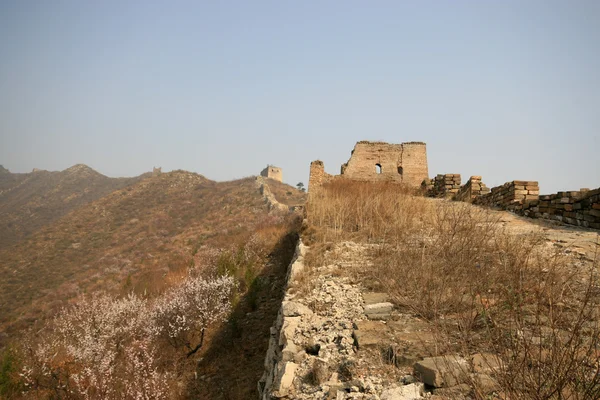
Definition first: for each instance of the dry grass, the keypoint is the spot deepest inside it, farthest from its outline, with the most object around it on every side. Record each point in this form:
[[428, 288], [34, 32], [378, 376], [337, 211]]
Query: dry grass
[[483, 289]]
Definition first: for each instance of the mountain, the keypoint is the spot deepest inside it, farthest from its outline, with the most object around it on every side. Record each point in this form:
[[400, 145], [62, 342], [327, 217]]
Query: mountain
[[32, 200], [132, 238]]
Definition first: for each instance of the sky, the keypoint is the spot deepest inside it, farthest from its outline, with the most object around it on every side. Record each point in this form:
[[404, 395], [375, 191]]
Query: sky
[[509, 90]]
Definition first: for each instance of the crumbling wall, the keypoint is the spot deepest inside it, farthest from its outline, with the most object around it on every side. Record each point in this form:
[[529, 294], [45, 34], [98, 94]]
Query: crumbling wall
[[404, 163], [581, 208], [444, 185], [318, 176], [509, 195], [471, 190], [378, 161]]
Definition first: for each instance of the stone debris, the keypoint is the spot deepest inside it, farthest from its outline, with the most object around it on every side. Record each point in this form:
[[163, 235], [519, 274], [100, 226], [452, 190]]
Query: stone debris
[[323, 346], [443, 371]]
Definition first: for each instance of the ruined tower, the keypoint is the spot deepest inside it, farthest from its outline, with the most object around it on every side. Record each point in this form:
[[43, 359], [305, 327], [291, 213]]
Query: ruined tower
[[404, 163], [272, 172]]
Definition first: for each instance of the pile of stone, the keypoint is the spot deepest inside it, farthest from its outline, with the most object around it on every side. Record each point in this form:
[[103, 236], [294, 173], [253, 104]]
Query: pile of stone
[[580, 208], [340, 341]]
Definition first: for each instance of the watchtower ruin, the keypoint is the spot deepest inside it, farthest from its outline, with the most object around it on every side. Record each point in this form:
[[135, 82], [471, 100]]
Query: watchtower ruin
[[404, 163], [272, 172]]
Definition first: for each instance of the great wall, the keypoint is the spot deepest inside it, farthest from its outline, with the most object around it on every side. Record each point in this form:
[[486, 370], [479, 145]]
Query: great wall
[[406, 163], [341, 322]]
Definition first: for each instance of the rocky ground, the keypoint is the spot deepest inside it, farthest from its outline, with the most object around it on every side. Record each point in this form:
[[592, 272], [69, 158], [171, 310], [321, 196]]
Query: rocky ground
[[336, 339]]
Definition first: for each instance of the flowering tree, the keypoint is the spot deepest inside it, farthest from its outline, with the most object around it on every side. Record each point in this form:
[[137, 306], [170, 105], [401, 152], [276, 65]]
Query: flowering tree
[[106, 348]]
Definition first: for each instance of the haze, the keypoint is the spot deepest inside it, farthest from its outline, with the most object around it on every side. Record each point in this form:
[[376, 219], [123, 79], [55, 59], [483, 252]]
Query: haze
[[507, 90]]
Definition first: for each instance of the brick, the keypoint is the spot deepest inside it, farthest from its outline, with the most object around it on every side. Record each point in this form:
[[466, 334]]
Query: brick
[[595, 213], [519, 187], [565, 200], [532, 187], [536, 192], [596, 206], [531, 197], [568, 207], [520, 192], [576, 206]]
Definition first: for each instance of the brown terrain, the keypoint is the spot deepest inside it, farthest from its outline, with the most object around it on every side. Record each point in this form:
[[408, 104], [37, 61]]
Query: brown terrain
[[33, 200], [134, 238]]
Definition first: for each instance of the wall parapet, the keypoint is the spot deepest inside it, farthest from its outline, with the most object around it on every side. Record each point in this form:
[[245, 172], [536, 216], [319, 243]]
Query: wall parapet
[[471, 190], [444, 185], [580, 208], [510, 195]]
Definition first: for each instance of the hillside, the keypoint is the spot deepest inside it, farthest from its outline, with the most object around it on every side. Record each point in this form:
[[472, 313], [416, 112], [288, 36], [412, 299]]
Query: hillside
[[131, 239], [33, 200]]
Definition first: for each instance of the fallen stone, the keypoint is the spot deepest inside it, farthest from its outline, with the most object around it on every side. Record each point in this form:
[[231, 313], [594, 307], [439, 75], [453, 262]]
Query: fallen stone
[[284, 379], [412, 391], [370, 334], [289, 351], [444, 371], [374, 298], [288, 329], [379, 308], [294, 309]]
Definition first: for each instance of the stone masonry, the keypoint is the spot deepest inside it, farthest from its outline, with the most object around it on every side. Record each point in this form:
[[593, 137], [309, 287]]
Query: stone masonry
[[272, 172], [404, 163]]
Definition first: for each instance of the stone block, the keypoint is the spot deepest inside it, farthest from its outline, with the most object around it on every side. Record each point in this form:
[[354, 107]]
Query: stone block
[[378, 308], [370, 334], [374, 298], [444, 371], [411, 391], [594, 212], [294, 309], [284, 379], [595, 206]]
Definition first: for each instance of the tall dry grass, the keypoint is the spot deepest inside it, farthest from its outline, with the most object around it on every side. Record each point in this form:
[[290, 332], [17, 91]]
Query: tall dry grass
[[482, 288]]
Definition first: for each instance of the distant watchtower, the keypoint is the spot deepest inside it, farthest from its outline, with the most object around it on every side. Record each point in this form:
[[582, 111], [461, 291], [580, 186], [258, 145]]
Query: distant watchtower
[[272, 172]]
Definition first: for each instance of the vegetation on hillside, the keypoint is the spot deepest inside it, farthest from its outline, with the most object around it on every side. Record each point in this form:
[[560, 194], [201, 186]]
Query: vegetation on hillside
[[123, 297], [31, 201]]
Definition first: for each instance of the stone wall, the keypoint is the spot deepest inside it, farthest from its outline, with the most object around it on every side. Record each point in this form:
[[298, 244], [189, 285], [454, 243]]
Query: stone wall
[[272, 172], [581, 208], [471, 190], [510, 195], [404, 163], [279, 366], [272, 203], [318, 176], [444, 185]]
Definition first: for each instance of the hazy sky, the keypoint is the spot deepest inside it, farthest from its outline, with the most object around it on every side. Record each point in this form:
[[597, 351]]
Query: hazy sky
[[503, 89]]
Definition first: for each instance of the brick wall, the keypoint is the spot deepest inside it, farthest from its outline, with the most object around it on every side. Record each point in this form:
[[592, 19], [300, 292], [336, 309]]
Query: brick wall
[[472, 189], [318, 176], [581, 208], [444, 185], [510, 195]]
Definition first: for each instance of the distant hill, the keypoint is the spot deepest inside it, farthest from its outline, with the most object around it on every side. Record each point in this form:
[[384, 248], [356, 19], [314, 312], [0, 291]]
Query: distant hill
[[133, 238], [33, 200]]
